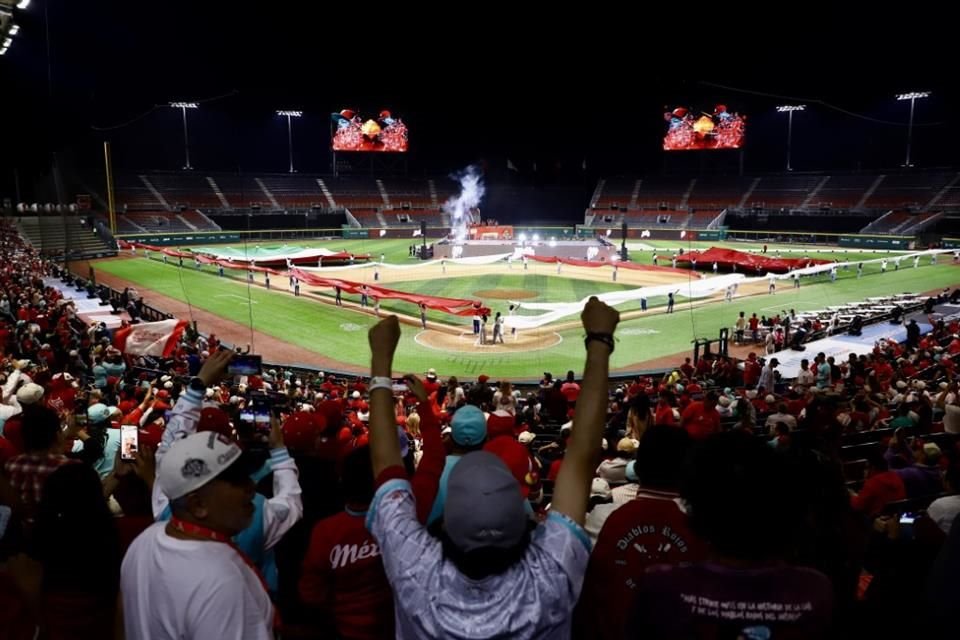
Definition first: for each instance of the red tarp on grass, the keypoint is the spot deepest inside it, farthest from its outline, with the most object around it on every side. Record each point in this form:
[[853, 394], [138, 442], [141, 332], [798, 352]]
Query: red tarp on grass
[[453, 306], [747, 262]]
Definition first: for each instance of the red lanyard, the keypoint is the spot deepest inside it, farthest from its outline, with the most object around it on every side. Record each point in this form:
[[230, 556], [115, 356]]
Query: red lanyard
[[201, 531]]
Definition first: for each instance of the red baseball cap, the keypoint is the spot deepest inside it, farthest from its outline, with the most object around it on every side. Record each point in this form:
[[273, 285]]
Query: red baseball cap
[[217, 420], [301, 430], [517, 459]]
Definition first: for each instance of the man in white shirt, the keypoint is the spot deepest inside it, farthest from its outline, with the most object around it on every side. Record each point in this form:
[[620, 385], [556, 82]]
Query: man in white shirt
[[943, 511], [805, 378], [767, 377], [185, 579], [951, 410], [781, 416]]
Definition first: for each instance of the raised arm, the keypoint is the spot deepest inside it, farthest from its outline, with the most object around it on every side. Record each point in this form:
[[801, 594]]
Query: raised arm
[[384, 445], [573, 483]]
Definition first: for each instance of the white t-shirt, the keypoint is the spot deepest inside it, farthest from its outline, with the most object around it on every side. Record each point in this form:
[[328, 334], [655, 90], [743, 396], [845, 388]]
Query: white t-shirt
[[191, 590], [805, 378], [951, 418], [944, 511]]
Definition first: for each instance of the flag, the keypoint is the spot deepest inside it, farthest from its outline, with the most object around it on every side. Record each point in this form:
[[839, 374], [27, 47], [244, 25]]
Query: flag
[[157, 339]]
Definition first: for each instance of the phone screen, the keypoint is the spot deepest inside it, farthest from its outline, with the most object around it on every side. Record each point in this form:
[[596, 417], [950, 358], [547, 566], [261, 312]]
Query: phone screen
[[907, 518], [129, 442], [245, 365], [246, 417]]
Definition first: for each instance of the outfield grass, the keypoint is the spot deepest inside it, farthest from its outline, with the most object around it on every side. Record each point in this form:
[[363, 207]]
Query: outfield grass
[[341, 334]]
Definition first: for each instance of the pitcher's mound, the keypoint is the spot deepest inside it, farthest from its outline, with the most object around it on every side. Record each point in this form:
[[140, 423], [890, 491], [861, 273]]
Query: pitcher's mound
[[529, 340], [506, 294]]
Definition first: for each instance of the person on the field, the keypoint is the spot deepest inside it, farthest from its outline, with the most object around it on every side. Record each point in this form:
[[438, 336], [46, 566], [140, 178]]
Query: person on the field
[[498, 328]]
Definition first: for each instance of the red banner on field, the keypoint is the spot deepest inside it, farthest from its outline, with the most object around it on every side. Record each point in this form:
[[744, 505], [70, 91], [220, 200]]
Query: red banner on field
[[453, 306], [727, 258]]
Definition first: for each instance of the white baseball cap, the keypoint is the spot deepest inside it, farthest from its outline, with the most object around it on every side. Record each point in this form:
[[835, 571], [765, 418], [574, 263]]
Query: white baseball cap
[[29, 393], [600, 487], [194, 461]]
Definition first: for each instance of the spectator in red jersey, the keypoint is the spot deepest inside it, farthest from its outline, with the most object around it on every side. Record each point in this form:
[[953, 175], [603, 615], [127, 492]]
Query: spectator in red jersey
[[880, 487], [700, 418], [430, 381], [751, 371], [687, 369], [343, 574], [665, 410], [648, 530], [570, 389]]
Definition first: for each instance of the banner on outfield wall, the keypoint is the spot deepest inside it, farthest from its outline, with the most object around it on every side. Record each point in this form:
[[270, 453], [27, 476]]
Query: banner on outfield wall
[[355, 234], [951, 243], [177, 240], [874, 242], [490, 232], [642, 233], [720, 234]]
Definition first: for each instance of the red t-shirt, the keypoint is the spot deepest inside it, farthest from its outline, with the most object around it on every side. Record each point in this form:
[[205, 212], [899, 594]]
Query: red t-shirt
[[699, 421], [570, 391], [751, 373], [343, 575], [664, 415], [647, 531], [878, 491]]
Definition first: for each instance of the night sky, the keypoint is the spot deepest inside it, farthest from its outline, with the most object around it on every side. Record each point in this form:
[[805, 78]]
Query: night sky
[[481, 87]]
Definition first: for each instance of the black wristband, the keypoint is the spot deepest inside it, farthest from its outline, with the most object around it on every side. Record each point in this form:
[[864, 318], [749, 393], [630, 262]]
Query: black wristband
[[605, 338]]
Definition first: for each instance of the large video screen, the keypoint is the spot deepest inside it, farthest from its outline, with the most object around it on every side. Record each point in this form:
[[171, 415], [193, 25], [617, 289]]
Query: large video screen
[[355, 132], [692, 130]]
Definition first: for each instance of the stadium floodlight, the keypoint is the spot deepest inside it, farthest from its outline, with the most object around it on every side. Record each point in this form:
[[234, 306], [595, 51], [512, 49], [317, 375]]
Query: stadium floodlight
[[23, 4], [789, 109], [523, 237], [3, 51], [183, 106], [912, 96], [7, 42], [536, 238], [290, 114], [14, 30]]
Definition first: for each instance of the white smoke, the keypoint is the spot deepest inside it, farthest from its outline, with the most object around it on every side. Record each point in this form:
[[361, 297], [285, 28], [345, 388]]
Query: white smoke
[[459, 206]]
